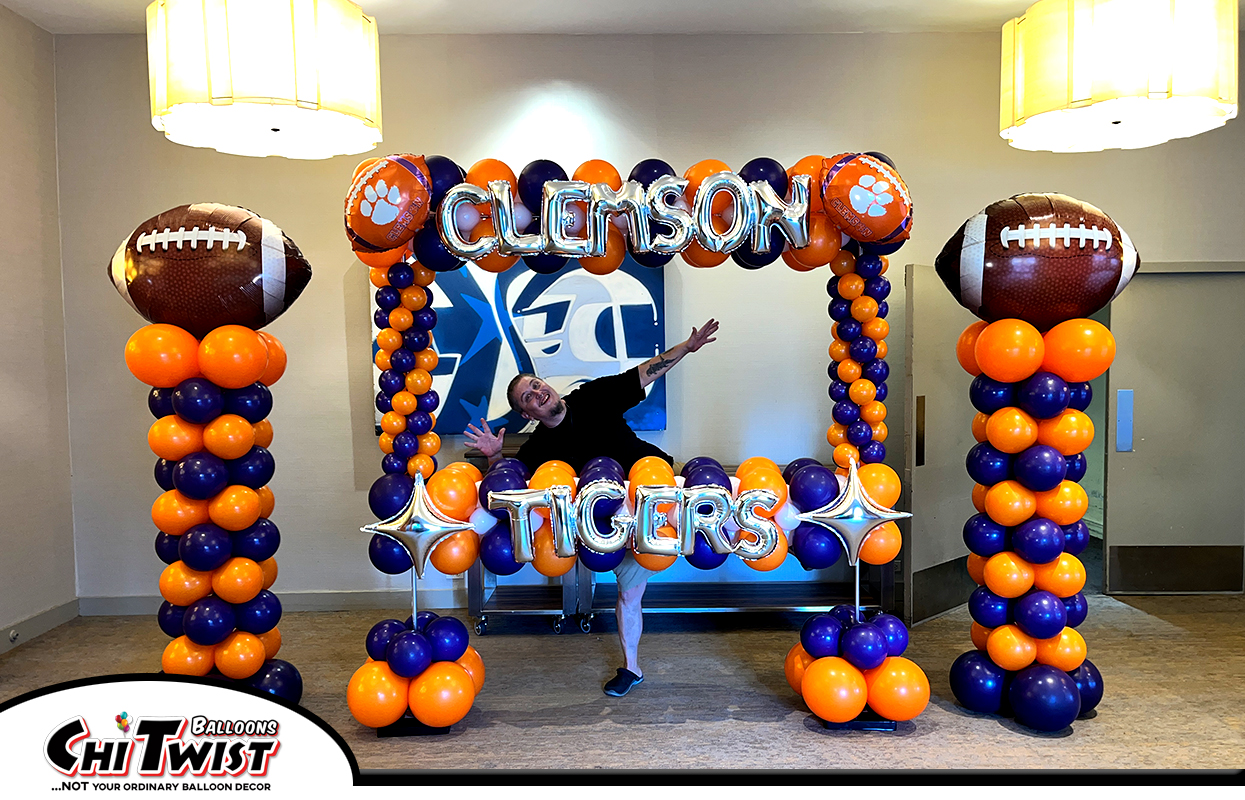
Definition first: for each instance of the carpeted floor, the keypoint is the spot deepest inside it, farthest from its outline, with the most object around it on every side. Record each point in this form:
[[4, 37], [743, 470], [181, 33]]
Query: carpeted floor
[[714, 695]]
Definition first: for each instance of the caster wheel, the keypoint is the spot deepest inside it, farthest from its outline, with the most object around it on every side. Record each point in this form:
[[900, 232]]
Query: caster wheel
[[481, 627], [558, 625], [585, 624]]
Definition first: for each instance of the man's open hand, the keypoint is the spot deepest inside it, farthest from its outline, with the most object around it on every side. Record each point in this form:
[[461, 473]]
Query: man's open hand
[[703, 336], [483, 438]]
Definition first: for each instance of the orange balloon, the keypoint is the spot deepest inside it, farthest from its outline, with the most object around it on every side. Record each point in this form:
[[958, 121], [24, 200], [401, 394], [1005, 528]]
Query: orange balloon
[[845, 454], [271, 641], [811, 166], [836, 434], [270, 572], [864, 308], [752, 463], [879, 431], [874, 411], [1008, 575], [698, 256], [1078, 350], [493, 262], [377, 696], [763, 477], [862, 392], [1011, 430], [174, 438], [382, 360], [422, 464], [490, 169], [175, 513], [545, 559], [839, 350], [232, 356], [454, 494], [181, 585], [1010, 647], [882, 350], [979, 497], [441, 695], [1063, 577], [696, 174], [615, 249], [849, 371], [771, 561], [403, 403], [977, 569], [1063, 505], [238, 581], [1066, 651], [1069, 433], [824, 240], [429, 443], [794, 665], [898, 689], [162, 355], [263, 433], [788, 258], [418, 380], [276, 359], [834, 690], [392, 422], [843, 263], [183, 657], [979, 635], [423, 275], [882, 483], [471, 470], [646, 463], [229, 436], [379, 276], [565, 467], [653, 476], [385, 258], [882, 544], [389, 340], [240, 655], [556, 476], [235, 508], [385, 442], [267, 501], [598, 171], [876, 329], [456, 553], [1009, 503], [979, 426], [1009, 350], [965, 347], [654, 562], [400, 319], [851, 286], [414, 298], [474, 665]]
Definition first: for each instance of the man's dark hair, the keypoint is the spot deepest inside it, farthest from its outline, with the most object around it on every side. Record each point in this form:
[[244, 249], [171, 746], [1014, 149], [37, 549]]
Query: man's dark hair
[[514, 401]]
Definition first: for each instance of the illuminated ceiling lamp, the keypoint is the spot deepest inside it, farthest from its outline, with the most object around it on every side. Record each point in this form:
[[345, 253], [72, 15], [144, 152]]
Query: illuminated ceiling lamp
[[1086, 75], [293, 78]]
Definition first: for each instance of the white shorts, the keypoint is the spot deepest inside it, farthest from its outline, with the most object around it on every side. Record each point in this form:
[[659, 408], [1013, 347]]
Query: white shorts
[[630, 574]]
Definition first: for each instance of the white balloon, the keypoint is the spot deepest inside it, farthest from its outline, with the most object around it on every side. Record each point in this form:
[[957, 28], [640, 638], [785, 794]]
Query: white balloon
[[522, 217], [535, 520], [466, 218], [734, 486], [482, 521], [728, 214], [679, 480], [621, 222], [575, 219]]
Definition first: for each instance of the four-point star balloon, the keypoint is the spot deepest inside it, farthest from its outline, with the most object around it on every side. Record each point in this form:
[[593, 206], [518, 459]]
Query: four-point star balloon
[[419, 526], [852, 515]]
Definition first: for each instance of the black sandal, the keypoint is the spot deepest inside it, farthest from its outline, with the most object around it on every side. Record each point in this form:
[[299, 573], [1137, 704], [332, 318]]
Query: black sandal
[[621, 683]]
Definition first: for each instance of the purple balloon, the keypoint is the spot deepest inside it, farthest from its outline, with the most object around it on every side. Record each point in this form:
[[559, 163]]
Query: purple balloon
[[1041, 615], [1075, 538], [378, 638], [794, 467], [820, 635], [1040, 468], [499, 480], [894, 630], [1038, 541], [864, 646], [813, 486], [1077, 609], [497, 552], [703, 557], [815, 547]]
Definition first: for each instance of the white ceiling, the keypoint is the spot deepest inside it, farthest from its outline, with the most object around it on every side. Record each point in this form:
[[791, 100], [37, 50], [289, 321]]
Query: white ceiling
[[592, 16]]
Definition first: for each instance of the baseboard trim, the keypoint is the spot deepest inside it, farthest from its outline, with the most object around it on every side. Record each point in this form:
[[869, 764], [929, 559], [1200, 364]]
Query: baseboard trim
[[36, 625], [445, 598], [940, 588], [1175, 569]]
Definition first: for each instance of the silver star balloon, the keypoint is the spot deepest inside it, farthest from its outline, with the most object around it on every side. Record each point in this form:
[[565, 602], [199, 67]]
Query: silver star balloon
[[419, 527], [852, 515]]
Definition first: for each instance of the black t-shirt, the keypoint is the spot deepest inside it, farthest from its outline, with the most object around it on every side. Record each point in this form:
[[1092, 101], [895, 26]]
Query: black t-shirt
[[593, 426]]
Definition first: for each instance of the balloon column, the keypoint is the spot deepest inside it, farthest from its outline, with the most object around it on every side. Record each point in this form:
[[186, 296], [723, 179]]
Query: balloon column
[[207, 276], [424, 665], [1025, 265]]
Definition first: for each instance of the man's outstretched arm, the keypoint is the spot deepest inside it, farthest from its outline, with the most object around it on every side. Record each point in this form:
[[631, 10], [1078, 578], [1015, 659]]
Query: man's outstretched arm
[[657, 366]]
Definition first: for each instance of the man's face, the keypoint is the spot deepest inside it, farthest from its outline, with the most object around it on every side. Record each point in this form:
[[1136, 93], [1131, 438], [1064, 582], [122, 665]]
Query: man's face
[[537, 399]]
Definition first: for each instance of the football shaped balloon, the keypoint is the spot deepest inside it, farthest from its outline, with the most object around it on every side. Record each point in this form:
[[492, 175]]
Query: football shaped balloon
[[866, 198], [1042, 258], [205, 265], [388, 203]]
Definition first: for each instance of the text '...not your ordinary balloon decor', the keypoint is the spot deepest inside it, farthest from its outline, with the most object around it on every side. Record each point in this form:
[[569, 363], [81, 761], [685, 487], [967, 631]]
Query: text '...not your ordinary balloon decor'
[[208, 276], [427, 215], [1032, 267]]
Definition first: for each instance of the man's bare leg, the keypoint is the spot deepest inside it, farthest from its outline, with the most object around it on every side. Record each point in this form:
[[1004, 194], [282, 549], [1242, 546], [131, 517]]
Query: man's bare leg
[[629, 613]]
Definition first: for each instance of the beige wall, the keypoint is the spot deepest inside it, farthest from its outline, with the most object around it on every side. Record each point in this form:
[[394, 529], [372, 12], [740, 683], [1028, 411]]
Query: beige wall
[[930, 101], [36, 536]]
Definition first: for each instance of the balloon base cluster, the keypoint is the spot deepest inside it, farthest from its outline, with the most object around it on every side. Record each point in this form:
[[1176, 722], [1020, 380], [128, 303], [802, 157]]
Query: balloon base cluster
[[419, 671]]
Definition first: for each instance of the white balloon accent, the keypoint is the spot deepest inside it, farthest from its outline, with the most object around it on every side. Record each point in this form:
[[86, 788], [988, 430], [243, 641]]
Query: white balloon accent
[[734, 486], [522, 217], [466, 218], [786, 516], [575, 219], [728, 214], [482, 521]]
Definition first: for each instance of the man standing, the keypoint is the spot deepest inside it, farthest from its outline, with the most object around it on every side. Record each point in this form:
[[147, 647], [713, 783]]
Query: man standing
[[585, 424]]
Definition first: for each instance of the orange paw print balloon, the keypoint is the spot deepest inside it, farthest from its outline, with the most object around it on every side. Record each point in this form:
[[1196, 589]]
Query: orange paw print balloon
[[388, 203], [866, 198]]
